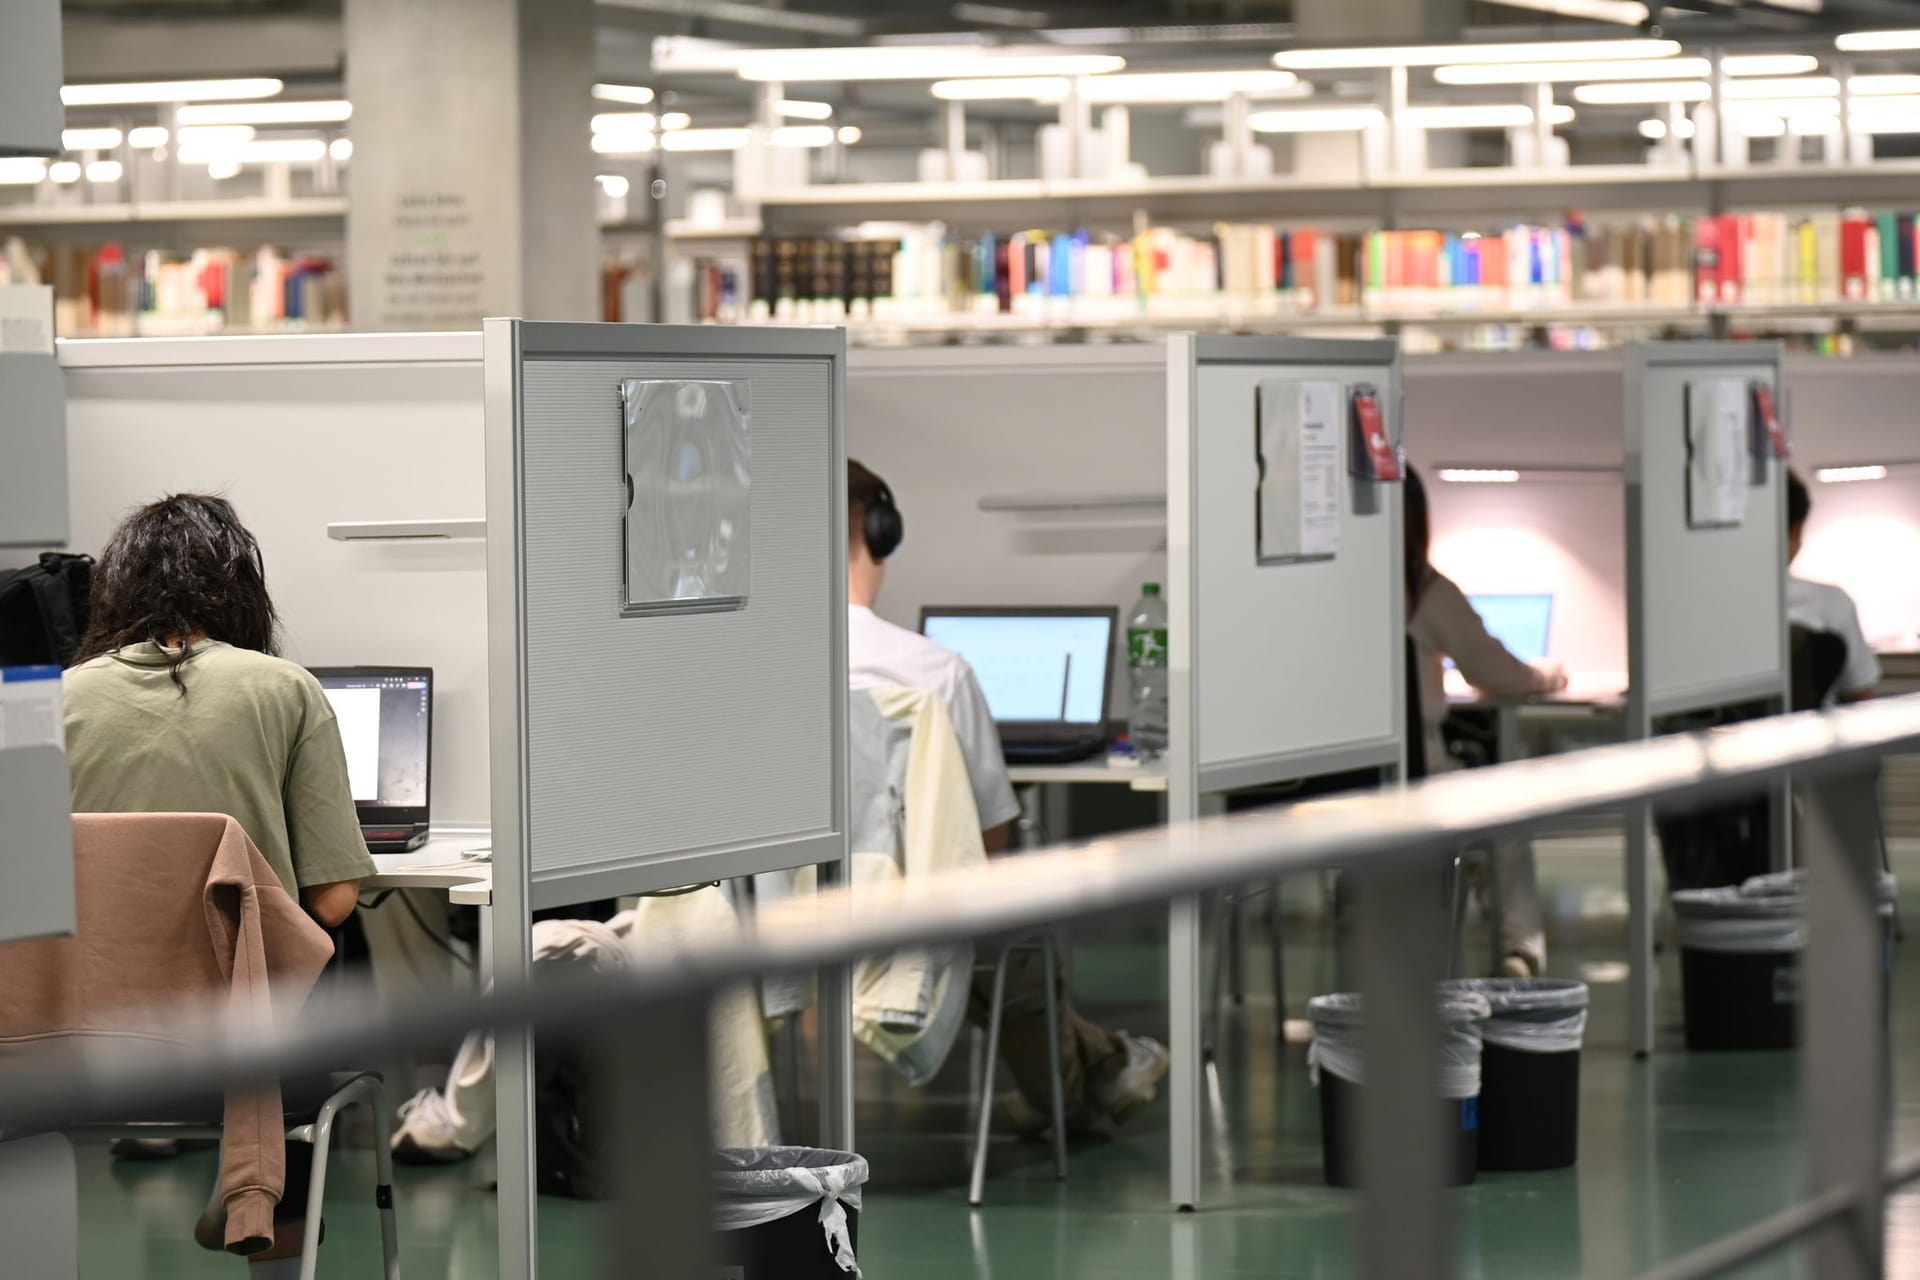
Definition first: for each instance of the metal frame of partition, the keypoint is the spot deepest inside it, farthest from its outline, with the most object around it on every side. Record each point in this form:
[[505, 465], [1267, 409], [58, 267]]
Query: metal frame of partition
[[1395, 841], [1199, 618], [553, 468]]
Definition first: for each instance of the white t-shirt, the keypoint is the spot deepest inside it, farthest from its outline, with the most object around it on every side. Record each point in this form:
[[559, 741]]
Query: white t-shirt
[[1820, 607], [881, 654]]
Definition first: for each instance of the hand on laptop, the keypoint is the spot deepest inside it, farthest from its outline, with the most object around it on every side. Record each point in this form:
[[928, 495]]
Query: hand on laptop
[[1556, 676]]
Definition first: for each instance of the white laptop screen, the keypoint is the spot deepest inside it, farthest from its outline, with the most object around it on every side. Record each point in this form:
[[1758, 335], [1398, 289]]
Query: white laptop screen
[[1523, 623], [1033, 667]]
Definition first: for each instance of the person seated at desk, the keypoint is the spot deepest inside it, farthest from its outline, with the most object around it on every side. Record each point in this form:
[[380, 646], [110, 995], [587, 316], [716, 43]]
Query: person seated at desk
[[1444, 625], [1104, 1072], [179, 703], [1822, 607]]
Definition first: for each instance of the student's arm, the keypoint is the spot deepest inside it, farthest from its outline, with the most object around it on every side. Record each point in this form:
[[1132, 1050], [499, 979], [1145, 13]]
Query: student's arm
[[330, 855], [986, 762], [1861, 676], [1447, 623], [996, 839]]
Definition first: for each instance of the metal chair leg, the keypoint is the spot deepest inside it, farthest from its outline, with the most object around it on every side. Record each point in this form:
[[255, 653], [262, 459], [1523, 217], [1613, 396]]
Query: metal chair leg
[[383, 1181], [1210, 1033], [1236, 949], [976, 1190], [976, 1042], [1278, 958], [1053, 1064]]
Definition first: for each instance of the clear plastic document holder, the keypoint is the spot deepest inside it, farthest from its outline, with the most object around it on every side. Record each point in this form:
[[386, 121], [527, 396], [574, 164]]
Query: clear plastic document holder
[[689, 501]]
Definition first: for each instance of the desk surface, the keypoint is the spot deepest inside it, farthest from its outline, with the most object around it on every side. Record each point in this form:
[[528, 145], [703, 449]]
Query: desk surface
[[1595, 689], [438, 864], [1097, 772]]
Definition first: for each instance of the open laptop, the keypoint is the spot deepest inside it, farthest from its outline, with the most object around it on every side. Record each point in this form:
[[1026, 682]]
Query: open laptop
[[386, 725], [1047, 673], [1523, 623]]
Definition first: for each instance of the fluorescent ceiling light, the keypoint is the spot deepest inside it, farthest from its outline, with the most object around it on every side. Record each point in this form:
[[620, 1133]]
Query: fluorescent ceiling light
[[1143, 88], [1760, 126], [22, 171], [919, 62], [625, 122], [1435, 55], [624, 144], [1876, 41], [637, 95], [800, 109], [97, 95], [264, 151], [1627, 12], [315, 111], [104, 171], [1551, 72], [1849, 475], [1479, 475], [705, 140], [207, 136], [697, 55], [1494, 115], [1656, 129], [803, 135], [64, 172], [613, 184], [147, 137], [89, 139], [673, 120], [341, 149], [1315, 119], [848, 134], [1801, 87], [1883, 86], [1769, 64], [222, 169], [1636, 92]]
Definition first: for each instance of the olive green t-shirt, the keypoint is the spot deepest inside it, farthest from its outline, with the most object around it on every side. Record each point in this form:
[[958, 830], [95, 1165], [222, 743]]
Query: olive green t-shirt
[[254, 738]]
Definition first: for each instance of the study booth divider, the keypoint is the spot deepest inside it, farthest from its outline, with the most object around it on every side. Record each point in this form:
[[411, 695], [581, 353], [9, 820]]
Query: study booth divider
[[666, 566]]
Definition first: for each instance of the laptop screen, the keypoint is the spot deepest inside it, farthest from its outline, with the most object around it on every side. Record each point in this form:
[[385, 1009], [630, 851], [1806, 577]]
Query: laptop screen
[[386, 724], [1520, 622], [1035, 666]]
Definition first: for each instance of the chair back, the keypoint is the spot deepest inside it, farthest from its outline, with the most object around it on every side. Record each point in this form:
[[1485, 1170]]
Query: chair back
[[1817, 659]]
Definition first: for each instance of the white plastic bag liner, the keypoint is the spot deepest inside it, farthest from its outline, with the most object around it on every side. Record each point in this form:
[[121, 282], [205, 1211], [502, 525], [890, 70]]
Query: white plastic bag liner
[[1532, 1015], [1337, 1020], [1728, 920], [755, 1186], [1793, 884]]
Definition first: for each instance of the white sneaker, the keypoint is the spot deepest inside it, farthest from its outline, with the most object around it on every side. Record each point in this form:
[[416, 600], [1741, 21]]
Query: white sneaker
[[1138, 1082], [430, 1131]]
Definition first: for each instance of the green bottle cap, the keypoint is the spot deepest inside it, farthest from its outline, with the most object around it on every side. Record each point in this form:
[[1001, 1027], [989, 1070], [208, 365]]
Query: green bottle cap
[[1150, 589]]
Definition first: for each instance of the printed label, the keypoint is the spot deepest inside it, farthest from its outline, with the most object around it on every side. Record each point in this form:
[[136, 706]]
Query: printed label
[[1147, 646], [1786, 984]]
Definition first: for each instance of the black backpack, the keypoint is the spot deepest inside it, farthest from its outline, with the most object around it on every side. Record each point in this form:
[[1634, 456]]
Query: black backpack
[[43, 610]]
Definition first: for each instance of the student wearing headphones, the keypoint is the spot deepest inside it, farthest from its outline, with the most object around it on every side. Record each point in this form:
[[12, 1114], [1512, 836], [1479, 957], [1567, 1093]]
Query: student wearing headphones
[[1105, 1072]]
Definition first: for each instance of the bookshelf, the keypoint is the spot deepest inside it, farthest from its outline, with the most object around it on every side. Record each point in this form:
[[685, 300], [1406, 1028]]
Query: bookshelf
[[24, 218]]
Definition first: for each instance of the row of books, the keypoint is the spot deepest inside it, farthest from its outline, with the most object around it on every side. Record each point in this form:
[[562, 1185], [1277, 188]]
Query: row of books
[[1251, 270], [102, 291]]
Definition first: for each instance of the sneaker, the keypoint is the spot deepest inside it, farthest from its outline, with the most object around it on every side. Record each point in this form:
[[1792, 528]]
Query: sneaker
[[1515, 965], [430, 1131], [1137, 1082], [1024, 1119]]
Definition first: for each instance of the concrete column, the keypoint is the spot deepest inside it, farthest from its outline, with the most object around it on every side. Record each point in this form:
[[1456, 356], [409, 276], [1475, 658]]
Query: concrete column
[[471, 189]]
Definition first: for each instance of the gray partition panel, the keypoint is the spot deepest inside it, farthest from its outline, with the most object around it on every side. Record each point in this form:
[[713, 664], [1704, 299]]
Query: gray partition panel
[[1293, 662], [36, 843], [1708, 604]]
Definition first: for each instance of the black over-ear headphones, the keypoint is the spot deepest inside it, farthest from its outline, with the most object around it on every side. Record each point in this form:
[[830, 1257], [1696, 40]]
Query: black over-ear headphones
[[885, 529]]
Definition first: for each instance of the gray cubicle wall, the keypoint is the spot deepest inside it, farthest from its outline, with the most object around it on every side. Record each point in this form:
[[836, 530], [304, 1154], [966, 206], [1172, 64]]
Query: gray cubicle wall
[[304, 433], [639, 752], [1707, 611]]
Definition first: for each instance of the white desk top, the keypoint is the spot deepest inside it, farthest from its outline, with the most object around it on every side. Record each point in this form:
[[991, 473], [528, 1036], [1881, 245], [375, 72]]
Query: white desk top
[[438, 864], [1585, 689], [1097, 772]]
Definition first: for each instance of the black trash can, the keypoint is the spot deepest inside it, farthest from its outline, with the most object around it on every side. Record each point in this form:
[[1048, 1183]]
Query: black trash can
[[787, 1213], [1529, 1071], [1338, 1073], [1740, 967]]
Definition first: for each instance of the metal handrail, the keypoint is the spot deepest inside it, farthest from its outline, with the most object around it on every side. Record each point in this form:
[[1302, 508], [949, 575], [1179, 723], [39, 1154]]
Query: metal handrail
[[1377, 833]]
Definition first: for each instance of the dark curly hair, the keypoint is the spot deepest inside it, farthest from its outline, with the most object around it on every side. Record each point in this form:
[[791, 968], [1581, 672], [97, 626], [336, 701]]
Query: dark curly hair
[[177, 569]]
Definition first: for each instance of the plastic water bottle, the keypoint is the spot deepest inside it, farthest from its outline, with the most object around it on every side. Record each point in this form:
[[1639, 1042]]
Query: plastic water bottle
[[1147, 672]]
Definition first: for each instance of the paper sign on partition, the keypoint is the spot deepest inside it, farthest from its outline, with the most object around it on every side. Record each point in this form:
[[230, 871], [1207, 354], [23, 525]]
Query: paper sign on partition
[[1300, 440], [26, 319], [1718, 467]]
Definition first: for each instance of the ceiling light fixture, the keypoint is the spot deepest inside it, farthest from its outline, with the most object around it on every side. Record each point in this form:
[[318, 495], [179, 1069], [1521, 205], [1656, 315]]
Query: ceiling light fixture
[[1494, 115], [1849, 475], [705, 140], [22, 171], [341, 150], [1629, 13], [1316, 119], [104, 171], [264, 151], [1640, 92], [800, 109], [100, 95], [918, 62], [64, 172], [222, 169], [1552, 72], [624, 144], [848, 134], [613, 184], [1129, 89], [674, 120], [1656, 129], [625, 122], [207, 136], [147, 137], [637, 95], [803, 135], [1877, 41], [313, 111], [89, 139], [1444, 54], [1479, 475], [1769, 64], [1004, 89]]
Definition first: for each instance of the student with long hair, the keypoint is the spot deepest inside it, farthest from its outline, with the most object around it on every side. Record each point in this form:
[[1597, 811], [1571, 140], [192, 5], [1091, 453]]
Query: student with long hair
[[179, 703], [1443, 624]]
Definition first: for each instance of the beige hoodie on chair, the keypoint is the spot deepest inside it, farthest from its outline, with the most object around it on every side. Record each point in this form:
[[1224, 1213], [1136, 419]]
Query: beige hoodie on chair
[[174, 910]]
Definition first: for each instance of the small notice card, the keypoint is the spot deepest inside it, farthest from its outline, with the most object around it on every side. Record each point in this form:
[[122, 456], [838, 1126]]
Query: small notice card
[[1301, 440], [26, 319]]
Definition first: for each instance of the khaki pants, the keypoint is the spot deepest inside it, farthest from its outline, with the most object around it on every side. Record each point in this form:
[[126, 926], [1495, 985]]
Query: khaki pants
[[1087, 1052]]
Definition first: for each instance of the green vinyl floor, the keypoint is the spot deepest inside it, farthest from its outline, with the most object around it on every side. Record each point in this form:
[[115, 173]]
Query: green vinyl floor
[[1674, 1152]]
